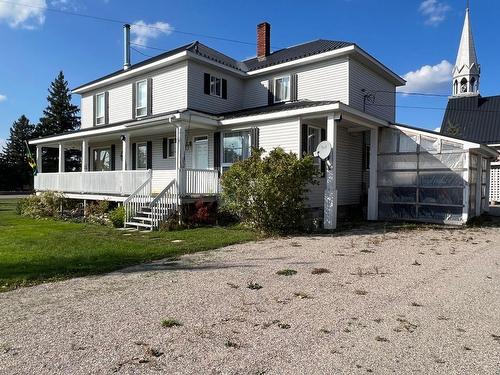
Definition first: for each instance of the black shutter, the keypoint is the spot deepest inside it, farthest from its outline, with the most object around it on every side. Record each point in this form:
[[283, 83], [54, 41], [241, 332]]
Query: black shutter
[[150, 96], [133, 100], [113, 149], [270, 92], [206, 85], [224, 88], [323, 163], [217, 150], [106, 107], [293, 88], [149, 152], [134, 155], [94, 109], [165, 148], [304, 138], [254, 135]]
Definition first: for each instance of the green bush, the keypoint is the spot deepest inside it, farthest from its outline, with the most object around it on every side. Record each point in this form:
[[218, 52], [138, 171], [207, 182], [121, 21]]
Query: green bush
[[117, 216], [268, 192], [46, 204]]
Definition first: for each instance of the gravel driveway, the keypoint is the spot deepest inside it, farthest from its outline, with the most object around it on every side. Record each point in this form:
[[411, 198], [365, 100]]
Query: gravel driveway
[[411, 301]]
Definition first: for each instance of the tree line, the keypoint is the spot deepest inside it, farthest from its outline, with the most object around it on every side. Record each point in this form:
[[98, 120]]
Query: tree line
[[60, 116]]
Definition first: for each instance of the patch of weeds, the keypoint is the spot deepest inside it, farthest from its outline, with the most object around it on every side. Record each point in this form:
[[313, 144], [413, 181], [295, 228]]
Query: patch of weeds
[[416, 263], [496, 337], [360, 292], [319, 271], [231, 344], [467, 348], [439, 360], [234, 286], [301, 295], [415, 304], [284, 326], [169, 323], [461, 330], [378, 320], [286, 272], [295, 244], [367, 251], [325, 331], [154, 352], [347, 330], [381, 339], [254, 286], [269, 324], [441, 317], [405, 325]]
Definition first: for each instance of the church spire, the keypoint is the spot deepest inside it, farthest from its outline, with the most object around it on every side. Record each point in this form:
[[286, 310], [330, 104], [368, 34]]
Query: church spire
[[467, 69]]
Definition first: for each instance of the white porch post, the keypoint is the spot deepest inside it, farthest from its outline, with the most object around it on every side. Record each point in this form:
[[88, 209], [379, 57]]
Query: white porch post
[[479, 177], [180, 148], [465, 212], [372, 213], [330, 205], [61, 158], [125, 152], [488, 180], [85, 157], [39, 158]]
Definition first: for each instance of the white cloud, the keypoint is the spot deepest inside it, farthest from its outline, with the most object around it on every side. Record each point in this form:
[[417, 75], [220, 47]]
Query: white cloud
[[3, 98], [142, 32], [29, 15], [434, 11], [434, 79]]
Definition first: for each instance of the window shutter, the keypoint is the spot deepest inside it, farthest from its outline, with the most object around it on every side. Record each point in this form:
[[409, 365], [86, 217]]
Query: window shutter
[[134, 156], [323, 163], [149, 152], [113, 149], [293, 88], [150, 96], [94, 109], [270, 92], [217, 151], [133, 101], [165, 148], [106, 107], [304, 140], [224, 88], [254, 135], [206, 85]]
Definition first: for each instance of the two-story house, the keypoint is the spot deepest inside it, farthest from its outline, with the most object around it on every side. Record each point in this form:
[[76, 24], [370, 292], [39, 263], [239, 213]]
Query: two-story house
[[160, 132]]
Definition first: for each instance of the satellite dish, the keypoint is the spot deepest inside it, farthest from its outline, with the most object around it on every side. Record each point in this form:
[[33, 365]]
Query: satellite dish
[[323, 152]]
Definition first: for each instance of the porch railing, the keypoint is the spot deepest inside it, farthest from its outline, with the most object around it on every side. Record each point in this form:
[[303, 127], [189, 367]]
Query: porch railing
[[108, 182], [198, 182], [164, 205], [140, 198]]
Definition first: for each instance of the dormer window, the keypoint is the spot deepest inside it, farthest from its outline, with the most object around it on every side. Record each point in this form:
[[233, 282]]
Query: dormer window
[[141, 98], [100, 109], [282, 89], [215, 86]]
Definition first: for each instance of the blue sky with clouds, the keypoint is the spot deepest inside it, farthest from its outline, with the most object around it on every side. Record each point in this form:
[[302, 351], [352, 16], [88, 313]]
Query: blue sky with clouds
[[416, 38]]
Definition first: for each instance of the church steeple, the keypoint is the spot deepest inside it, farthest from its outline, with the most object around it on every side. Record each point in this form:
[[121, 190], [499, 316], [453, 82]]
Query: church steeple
[[467, 69]]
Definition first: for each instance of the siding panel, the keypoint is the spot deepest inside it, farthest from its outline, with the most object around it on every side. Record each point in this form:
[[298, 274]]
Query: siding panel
[[86, 108]]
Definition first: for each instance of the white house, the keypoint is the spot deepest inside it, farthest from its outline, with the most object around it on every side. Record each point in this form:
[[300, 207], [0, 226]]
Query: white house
[[159, 133]]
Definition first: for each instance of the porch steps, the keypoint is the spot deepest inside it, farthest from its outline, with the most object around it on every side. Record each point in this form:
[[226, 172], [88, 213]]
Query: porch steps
[[138, 225]]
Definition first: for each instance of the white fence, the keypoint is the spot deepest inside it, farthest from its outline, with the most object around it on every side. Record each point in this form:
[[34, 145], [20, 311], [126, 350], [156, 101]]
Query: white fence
[[199, 182], [109, 182]]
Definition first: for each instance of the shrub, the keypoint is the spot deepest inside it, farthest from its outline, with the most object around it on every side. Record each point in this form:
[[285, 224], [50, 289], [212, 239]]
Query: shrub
[[268, 192], [117, 216], [46, 204], [202, 213], [97, 213]]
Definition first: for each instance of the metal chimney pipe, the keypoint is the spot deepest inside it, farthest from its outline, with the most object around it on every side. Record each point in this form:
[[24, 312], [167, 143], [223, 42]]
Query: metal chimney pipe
[[126, 47]]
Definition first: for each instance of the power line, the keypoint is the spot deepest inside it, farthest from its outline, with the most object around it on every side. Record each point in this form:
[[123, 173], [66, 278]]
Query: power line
[[140, 52], [113, 20], [434, 108], [408, 93]]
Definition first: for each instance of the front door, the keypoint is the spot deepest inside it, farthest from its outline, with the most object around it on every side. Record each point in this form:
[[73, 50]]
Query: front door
[[200, 152]]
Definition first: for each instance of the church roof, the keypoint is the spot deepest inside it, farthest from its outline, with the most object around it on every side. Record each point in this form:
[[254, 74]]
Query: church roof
[[473, 118]]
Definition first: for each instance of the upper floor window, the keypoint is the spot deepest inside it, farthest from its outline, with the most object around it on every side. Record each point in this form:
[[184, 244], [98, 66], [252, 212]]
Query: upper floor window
[[215, 86], [282, 89], [100, 109], [141, 98]]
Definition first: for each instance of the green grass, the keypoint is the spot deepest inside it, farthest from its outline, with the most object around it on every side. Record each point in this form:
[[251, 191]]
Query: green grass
[[36, 251]]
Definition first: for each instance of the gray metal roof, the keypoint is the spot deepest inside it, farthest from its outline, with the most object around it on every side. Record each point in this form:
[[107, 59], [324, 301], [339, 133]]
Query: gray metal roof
[[296, 52], [299, 104], [473, 118]]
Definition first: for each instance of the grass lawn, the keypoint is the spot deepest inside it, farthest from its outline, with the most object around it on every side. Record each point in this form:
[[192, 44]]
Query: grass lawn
[[35, 251]]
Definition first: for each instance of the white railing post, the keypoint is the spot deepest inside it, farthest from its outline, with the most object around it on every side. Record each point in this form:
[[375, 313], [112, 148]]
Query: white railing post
[[39, 158]]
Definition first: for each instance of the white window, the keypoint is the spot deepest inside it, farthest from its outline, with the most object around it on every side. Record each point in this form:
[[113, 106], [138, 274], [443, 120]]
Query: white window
[[102, 159], [313, 140], [141, 158], [141, 98], [100, 109], [282, 89], [171, 147], [215, 86], [236, 147]]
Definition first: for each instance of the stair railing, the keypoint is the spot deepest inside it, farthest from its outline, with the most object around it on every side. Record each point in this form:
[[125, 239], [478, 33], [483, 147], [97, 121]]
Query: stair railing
[[164, 204], [141, 197]]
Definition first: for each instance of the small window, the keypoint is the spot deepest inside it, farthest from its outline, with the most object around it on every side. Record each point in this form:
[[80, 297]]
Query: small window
[[141, 98], [313, 140], [463, 86], [142, 156], [215, 86], [171, 147], [236, 147], [282, 89], [102, 159], [100, 109]]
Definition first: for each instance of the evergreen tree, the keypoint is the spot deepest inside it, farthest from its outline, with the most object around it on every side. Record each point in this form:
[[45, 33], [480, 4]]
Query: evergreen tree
[[13, 160], [60, 116]]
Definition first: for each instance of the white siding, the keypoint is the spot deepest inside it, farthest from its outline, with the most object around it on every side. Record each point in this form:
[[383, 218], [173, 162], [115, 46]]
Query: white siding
[[255, 94], [360, 77], [170, 89], [86, 109], [120, 103], [349, 167], [197, 99]]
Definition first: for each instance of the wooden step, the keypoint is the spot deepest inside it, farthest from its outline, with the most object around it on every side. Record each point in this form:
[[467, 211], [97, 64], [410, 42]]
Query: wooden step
[[142, 218], [136, 224]]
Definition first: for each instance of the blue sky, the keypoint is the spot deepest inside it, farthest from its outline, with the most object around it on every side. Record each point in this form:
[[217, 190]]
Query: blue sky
[[419, 36]]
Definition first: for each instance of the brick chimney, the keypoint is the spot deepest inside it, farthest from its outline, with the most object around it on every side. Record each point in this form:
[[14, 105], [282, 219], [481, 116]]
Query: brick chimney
[[263, 40]]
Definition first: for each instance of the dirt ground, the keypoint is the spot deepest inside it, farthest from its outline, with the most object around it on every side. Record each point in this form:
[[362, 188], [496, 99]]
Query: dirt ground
[[401, 301]]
